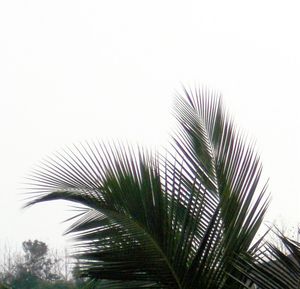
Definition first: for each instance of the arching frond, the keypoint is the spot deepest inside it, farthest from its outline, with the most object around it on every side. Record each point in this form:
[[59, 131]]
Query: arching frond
[[274, 267], [175, 221]]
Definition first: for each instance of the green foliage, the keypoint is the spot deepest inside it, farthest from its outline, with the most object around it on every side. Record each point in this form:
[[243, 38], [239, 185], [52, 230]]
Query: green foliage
[[184, 219], [3, 286], [24, 279], [35, 270], [275, 268], [28, 282], [37, 263]]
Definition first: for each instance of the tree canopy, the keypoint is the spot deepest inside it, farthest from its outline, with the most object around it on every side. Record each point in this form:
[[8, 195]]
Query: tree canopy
[[34, 269], [183, 219]]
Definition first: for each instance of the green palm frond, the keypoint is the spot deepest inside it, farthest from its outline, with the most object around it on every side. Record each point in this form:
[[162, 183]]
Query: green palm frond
[[214, 154], [175, 221], [274, 267]]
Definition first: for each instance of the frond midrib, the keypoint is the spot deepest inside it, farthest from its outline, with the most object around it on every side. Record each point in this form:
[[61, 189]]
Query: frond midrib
[[164, 256]]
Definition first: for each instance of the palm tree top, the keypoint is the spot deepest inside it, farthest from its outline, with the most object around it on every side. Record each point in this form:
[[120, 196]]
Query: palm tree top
[[177, 220]]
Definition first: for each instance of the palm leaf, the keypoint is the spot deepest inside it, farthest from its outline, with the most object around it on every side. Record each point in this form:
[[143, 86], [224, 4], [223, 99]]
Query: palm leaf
[[176, 221], [274, 268], [214, 153]]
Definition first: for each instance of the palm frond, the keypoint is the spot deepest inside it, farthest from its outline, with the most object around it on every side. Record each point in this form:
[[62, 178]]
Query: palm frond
[[274, 267], [175, 221], [214, 153]]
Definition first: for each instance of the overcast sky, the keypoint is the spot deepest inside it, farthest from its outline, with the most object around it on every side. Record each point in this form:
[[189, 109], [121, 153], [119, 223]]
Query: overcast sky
[[79, 70]]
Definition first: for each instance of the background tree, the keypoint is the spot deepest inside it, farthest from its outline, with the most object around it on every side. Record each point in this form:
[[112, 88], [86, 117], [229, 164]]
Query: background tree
[[37, 262], [35, 269]]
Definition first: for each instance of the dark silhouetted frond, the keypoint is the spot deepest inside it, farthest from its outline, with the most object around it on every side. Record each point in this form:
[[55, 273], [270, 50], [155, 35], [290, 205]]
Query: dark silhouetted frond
[[176, 221]]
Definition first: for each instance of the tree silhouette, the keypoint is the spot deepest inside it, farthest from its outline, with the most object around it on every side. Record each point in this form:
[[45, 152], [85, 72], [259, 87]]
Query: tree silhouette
[[182, 219]]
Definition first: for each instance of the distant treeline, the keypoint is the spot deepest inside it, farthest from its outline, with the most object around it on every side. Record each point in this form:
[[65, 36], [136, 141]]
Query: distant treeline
[[38, 268]]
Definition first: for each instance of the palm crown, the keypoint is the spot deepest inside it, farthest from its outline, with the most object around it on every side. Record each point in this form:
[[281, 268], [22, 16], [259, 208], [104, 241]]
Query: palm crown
[[183, 219]]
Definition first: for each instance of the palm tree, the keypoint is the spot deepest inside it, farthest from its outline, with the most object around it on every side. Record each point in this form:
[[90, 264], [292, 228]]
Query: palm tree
[[182, 219]]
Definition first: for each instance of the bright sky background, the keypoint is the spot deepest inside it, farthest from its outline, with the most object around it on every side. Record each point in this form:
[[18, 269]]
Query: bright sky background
[[79, 70]]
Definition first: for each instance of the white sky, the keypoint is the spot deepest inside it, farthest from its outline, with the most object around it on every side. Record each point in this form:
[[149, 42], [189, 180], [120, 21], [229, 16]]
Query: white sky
[[79, 70]]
